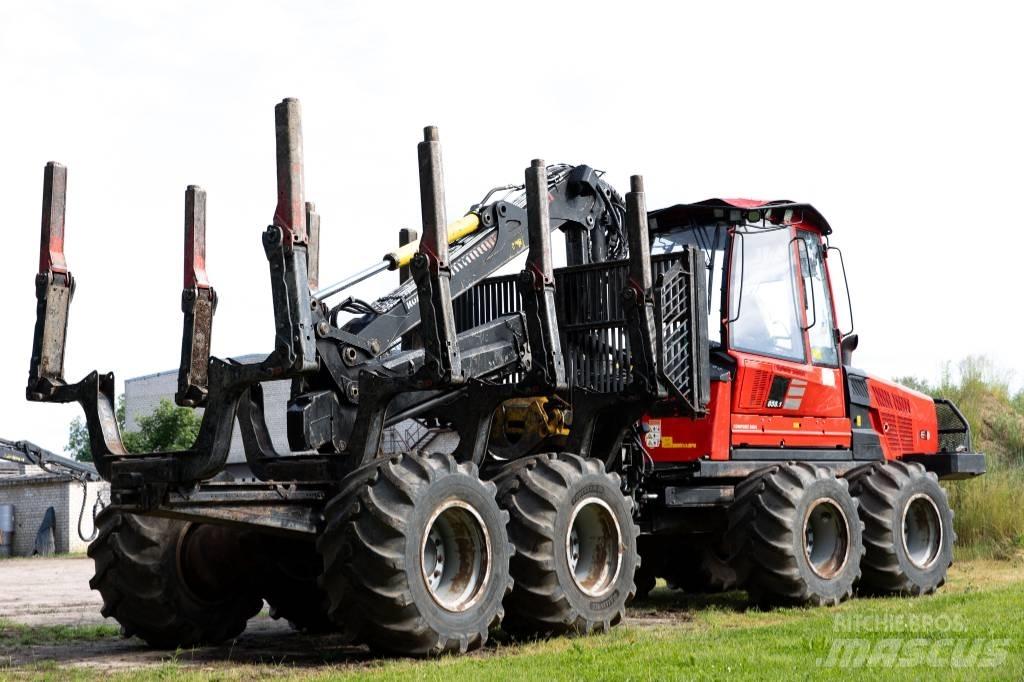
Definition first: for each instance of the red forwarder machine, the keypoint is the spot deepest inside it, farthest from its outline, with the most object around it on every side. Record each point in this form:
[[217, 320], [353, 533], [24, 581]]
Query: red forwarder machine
[[597, 416]]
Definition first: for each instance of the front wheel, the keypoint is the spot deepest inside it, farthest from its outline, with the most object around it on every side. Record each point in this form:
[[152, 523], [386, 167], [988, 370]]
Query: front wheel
[[576, 545], [908, 528], [796, 536]]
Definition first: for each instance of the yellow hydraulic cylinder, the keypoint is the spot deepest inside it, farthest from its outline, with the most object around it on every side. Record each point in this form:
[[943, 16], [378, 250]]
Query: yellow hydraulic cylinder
[[465, 225]]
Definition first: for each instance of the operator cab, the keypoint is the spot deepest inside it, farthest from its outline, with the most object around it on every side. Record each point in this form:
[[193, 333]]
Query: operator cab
[[775, 344], [768, 303]]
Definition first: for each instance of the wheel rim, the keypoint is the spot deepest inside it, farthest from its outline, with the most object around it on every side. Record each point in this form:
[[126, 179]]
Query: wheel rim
[[922, 531], [826, 538], [455, 556], [593, 546]]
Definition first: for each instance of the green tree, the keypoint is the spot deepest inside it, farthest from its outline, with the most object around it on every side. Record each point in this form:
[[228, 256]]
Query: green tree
[[78, 441], [168, 428]]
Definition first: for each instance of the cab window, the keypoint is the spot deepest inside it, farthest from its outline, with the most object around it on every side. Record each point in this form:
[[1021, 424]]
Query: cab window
[[821, 334], [764, 316]]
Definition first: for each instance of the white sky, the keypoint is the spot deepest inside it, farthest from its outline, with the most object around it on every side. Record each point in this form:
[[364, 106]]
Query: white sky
[[902, 125]]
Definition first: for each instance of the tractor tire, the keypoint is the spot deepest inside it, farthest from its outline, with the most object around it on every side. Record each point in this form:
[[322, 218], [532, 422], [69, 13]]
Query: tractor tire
[[416, 556], [290, 586], [908, 529], [576, 546], [141, 572], [709, 572], [796, 536]]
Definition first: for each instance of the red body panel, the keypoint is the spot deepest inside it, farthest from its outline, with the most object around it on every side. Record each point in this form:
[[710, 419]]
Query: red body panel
[[677, 439], [760, 431], [812, 390], [904, 419]]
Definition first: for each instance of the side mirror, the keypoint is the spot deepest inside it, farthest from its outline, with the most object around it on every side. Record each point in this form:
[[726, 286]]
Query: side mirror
[[846, 288], [846, 348]]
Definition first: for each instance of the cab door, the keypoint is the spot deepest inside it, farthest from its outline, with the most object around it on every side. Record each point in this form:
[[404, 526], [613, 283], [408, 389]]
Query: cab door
[[788, 391]]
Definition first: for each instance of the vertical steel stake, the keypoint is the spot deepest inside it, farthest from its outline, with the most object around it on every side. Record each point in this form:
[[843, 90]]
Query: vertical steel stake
[[198, 304], [431, 272]]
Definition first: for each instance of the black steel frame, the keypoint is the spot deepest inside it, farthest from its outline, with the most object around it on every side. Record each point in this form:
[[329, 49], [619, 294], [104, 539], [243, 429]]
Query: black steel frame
[[350, 381]]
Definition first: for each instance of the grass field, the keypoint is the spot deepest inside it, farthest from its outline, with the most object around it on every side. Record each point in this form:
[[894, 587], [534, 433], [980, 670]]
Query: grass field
[[973, 629]]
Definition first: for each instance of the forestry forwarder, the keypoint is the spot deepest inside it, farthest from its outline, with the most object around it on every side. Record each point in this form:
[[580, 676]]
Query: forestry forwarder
[[567, 389]]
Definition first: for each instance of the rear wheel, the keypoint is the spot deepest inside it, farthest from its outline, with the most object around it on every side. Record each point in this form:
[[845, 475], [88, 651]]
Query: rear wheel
[[796, 536], [171, 583], [576, 545], [908, 528], [416, 556]]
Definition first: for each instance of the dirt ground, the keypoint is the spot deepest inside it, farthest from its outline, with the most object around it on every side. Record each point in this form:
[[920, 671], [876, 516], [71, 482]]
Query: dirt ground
[[40, 593], [52, 592], [48, 592]]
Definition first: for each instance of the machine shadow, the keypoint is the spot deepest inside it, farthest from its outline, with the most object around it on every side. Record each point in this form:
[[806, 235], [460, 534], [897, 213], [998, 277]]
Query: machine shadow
[[664, 601]]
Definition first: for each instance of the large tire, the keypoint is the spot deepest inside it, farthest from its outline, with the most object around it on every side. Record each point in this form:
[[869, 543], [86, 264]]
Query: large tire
[[399, 541], [290, 585], [795, 536], [908, 528], [562, 586], [141, 575]]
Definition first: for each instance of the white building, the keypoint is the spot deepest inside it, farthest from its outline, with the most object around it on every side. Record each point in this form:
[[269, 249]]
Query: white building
[[31, 491]]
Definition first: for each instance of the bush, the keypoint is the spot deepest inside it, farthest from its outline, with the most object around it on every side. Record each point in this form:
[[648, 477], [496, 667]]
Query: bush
[[989, 519]]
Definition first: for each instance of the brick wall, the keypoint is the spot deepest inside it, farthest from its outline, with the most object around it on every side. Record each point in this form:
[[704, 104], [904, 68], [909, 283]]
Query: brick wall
[[33, 495]]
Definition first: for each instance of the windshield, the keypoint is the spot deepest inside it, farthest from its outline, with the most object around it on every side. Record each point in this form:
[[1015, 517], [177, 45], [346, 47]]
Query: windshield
[[763, 312], [711, 240]]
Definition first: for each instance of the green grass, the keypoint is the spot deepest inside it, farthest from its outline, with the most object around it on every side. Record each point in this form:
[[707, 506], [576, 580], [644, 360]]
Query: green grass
[[677, 637], [17, 634], [720, 643]]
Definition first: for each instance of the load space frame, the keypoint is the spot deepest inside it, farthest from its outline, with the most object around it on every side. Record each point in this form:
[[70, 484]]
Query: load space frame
[[353, 380]]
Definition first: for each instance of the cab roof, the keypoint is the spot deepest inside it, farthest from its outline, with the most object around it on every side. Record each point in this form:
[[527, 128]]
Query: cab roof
[[736, 211]]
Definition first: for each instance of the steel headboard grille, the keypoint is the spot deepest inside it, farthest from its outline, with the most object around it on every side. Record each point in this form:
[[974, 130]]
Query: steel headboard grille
[[591, 318]]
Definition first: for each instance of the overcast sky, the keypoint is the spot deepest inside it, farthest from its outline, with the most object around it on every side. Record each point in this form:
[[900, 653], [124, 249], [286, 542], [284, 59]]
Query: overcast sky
[[903, 126]]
